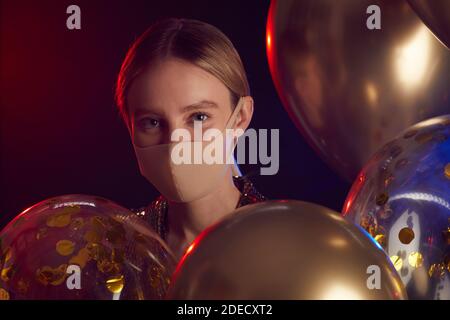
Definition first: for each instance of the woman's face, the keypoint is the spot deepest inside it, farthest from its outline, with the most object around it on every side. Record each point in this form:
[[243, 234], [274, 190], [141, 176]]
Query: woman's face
[[173, 94]]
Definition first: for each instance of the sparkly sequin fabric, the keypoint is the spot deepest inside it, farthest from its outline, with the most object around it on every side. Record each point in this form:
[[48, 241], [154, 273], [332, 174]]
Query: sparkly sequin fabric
[[156, 212]]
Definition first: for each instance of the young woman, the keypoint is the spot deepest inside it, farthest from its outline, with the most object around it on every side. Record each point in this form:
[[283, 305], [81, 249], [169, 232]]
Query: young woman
[[178, 74]]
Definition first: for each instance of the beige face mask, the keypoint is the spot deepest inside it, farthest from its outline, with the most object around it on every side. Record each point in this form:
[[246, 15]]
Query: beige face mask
[[189, 180]]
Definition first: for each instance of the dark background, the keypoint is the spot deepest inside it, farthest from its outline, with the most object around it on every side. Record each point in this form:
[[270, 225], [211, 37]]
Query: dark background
[[61, 132]]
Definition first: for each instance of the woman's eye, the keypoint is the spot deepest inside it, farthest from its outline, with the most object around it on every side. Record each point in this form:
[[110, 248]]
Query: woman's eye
[[148, 123], [200, 117]]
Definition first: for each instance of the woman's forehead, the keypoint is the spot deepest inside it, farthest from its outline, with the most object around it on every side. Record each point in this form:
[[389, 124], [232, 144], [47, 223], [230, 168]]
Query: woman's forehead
[[176, 84]]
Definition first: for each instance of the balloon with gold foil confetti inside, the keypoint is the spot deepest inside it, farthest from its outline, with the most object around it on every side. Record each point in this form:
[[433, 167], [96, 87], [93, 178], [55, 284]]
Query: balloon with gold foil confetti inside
[[410, 216], [82, 247]]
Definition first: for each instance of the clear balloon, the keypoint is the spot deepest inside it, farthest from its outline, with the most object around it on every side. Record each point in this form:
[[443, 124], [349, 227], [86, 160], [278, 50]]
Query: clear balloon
[[285, 250], [348, 88], [436, 15], [402, 198], [82, 247]]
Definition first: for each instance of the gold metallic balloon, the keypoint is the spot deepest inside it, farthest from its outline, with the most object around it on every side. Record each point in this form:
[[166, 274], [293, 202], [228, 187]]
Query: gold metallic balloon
[[82, 247], [350, 89], [402, 198], [285, 250], [436, 15]]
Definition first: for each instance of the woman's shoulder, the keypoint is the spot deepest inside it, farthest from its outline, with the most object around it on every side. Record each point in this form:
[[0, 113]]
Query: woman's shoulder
[[249, 193], [152, 213]]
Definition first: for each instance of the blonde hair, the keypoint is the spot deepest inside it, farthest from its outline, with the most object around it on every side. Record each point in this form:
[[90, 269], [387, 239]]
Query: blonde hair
[[193, 41]]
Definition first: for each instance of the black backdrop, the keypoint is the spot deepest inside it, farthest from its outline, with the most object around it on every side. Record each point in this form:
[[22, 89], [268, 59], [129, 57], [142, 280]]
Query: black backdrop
[[60, 131]]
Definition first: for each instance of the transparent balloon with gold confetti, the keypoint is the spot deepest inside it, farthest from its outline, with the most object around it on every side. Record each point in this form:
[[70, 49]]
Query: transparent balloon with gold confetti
[[82, 247], [402, 198]]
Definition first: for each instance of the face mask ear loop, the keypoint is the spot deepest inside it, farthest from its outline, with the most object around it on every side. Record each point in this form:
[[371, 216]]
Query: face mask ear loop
[[235, 112], [234, 167]]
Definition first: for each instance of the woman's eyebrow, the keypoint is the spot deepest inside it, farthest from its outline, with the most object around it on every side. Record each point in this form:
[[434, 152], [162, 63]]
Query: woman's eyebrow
[[204, 104], [141, 111]]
